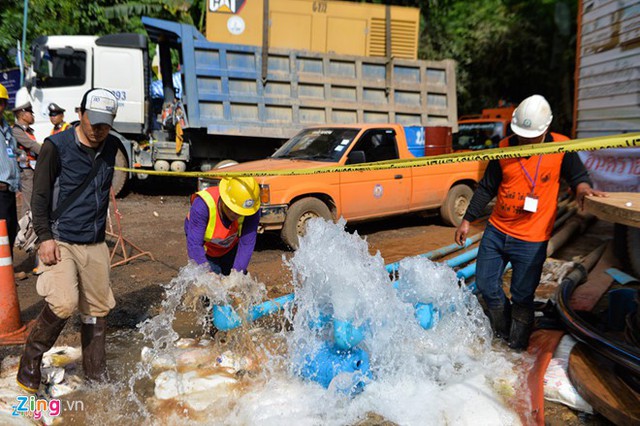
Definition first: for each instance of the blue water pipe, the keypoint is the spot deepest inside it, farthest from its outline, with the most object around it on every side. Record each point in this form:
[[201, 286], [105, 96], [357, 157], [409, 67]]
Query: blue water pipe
[[328, 362], [348, 336], [463, 258], [225, 317], [443, 251]]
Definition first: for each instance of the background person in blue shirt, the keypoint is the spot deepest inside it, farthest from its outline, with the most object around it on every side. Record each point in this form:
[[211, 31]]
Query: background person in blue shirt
[[9, 172]]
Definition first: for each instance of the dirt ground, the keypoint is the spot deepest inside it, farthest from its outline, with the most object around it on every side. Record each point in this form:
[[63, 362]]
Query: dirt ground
[[152, 219]]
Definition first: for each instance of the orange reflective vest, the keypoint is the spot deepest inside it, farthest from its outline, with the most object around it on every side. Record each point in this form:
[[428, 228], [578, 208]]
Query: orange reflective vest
[[61, 128], [218, 239], [31, 157], [508, 215]]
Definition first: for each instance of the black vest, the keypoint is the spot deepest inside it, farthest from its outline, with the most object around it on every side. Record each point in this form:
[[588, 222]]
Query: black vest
[[84, 221]]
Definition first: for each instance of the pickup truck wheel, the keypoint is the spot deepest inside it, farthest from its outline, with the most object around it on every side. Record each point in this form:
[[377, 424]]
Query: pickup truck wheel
[[298, 215], [456, 204], [120, 178]]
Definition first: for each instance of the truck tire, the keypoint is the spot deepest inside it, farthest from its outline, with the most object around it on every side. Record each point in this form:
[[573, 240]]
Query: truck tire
[[455, 205], [120, 178], [298, 215]]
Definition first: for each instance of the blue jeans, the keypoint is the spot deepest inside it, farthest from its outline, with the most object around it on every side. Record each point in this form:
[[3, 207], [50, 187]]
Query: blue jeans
[[527, 258], [223, 264]]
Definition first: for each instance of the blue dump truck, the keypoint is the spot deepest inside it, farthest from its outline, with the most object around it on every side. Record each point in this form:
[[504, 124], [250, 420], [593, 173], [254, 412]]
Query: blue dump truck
[[235, 102]]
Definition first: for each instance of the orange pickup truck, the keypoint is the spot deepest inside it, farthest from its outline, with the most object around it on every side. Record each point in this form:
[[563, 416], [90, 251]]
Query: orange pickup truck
[[289, 201]]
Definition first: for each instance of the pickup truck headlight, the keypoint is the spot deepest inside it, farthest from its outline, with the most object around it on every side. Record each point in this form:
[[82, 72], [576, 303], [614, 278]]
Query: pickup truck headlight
[[265, 194]]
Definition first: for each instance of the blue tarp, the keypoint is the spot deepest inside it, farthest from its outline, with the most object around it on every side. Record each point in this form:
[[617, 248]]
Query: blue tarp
[[156, 87]]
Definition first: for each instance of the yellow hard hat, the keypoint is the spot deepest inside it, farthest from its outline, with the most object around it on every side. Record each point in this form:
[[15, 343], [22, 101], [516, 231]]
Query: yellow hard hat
[[241, 194], [3, 92]]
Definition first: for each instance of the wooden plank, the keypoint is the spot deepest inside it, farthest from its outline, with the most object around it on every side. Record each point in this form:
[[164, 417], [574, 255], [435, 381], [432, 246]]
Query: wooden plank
[[595, 381], [618, 207]]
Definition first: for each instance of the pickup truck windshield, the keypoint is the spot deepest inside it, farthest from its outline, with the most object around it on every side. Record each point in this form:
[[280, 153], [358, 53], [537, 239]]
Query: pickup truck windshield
[[60, 67], [475, 136], [326, 144]]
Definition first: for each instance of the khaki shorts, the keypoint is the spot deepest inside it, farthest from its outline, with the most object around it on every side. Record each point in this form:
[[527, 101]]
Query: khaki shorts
[[80, 280]]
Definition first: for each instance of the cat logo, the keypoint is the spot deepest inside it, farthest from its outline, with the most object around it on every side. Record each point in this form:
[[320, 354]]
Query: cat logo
[[226, 6]]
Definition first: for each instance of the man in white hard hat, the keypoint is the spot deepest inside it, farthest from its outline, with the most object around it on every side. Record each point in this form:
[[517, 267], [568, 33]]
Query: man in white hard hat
[[522, 220]]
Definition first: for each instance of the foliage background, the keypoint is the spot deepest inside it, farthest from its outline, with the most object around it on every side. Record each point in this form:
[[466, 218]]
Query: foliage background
[[505, 49]]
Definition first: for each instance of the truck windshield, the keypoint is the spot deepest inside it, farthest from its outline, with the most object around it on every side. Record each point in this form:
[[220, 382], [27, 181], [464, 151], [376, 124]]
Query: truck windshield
[[60, 67], [326, 144], [476, 136]]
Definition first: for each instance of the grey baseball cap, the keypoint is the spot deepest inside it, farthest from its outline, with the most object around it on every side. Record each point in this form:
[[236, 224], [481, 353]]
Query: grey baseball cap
[[100, 105]]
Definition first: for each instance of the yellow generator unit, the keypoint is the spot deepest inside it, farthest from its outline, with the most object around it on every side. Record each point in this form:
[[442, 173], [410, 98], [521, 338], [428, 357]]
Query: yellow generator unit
[[316, 25]]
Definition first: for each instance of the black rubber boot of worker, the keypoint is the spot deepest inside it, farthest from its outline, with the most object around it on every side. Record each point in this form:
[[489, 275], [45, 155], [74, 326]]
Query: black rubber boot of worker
[[500, 320], [521, 326], [94, 355], [42, 337]]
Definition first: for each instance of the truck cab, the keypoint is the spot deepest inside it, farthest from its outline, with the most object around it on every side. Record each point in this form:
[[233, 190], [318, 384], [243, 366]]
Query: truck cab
[[483, 131], [65, 67]]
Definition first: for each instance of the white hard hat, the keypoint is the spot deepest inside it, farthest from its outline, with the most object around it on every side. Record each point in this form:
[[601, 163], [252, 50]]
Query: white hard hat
[[532, 117]]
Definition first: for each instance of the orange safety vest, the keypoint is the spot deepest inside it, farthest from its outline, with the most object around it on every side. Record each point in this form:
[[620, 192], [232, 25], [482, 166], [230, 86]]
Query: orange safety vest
[[64, 126], [508, 214], [31, 157], [218, 239]]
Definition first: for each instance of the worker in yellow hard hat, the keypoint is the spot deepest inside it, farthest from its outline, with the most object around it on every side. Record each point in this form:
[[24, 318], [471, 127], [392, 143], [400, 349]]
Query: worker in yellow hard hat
[[222, 224]]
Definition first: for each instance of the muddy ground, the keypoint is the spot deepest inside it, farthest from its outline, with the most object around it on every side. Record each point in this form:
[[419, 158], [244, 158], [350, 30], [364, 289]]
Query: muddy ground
[[151, 217]]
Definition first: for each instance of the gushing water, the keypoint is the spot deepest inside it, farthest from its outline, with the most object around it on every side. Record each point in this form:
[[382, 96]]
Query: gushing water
[[447, 374]]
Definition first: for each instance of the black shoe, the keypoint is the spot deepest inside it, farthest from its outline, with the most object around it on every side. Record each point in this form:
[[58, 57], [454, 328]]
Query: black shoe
[[521, 326], [42, 337], [500, 320], [94, 355]]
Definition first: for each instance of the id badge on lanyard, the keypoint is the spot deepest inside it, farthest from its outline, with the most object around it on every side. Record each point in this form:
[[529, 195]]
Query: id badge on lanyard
[[531, 200]]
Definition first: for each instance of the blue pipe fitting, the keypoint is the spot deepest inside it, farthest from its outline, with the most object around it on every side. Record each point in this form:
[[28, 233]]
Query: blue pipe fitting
[[328, 362], [346, 336], [427, 315]]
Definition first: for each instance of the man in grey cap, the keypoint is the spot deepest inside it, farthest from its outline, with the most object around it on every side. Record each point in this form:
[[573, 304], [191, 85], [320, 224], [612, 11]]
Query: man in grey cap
[[70, 200], [56, 116]]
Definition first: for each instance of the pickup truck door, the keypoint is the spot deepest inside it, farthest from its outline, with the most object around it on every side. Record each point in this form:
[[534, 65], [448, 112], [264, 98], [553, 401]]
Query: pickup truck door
[[377, 192]]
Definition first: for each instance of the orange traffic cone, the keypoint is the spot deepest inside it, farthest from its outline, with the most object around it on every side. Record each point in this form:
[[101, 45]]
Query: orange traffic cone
[[12, 332]]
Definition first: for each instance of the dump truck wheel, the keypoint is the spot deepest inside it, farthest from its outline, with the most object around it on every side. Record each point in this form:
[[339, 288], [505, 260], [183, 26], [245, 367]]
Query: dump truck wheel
[[120, 178], [297, 216], [456, 204]]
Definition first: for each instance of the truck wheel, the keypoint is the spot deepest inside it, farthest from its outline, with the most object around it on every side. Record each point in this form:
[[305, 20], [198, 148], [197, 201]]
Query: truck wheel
[[455, 205], [120, 178], [298, 215]]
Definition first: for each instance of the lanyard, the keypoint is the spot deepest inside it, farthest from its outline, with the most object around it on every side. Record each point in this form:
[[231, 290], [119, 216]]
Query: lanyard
[[528, 176]]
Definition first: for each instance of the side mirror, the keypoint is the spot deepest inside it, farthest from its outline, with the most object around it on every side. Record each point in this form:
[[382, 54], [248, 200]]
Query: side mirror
[[356, 157]]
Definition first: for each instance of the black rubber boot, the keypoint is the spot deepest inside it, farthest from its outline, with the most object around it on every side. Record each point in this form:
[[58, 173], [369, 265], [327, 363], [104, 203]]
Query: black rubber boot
[[94, 355], [521, 326], [500, 320], [42, 337]]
